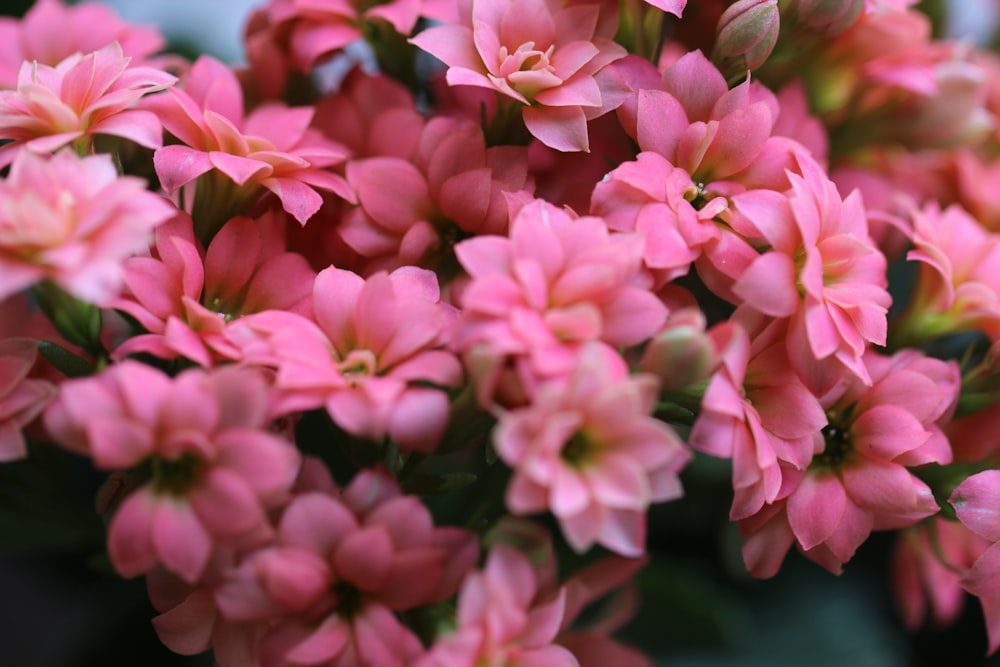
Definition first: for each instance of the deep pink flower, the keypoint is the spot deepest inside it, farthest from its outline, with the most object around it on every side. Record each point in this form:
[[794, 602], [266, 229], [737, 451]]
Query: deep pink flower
[[82, 96], [340, 569], [73, 220], [976, 503], [860, 481], [374, 358], [187, 298], [542, 54], [588, 449], [927, 565], [821, 271], [452, 186], [215, 467], [22, 398], [554, 283], [311, 31], [52, 31], [271, 148]]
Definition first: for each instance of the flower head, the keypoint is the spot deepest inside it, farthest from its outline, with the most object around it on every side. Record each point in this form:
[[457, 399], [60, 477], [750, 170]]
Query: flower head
[[73, 220], [82, 96]]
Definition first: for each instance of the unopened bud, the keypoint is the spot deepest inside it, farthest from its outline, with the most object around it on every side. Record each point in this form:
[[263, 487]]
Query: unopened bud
[[683, 354], [832, 17], [746, 35]]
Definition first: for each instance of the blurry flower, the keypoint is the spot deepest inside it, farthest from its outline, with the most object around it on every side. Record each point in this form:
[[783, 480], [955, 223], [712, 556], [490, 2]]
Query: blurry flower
[[73, 220]]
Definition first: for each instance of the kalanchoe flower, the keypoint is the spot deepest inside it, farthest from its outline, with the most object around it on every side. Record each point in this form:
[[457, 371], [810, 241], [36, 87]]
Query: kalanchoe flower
[[588, 449], [534, 297], [311, 32], [542, 54], [820, 270], [82, 96], [271, 148], [374, 358], [340, 569], [450, 187], [22, 398], [215, 467], [975, 503], [958, 286], [928, 563], [52, 31], [500, 621], [860, 481], [757, 412], [187, 298], [72, 221]]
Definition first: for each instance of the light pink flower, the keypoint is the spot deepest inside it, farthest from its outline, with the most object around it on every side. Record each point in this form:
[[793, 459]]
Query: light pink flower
[[22, 398], [339, 571], [695, 121], [821, 271], [588, 449], [555, 283], [501, 622], [187, 298], [860, 481], [542, 54], [52, 31], [374, 358], [270, 149], [958, 286], [72, 220], [215, 467], [82, 96], [757, 412]]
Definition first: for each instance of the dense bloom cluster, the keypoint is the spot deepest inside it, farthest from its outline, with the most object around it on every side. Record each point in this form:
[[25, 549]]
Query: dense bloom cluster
[[364, 353]]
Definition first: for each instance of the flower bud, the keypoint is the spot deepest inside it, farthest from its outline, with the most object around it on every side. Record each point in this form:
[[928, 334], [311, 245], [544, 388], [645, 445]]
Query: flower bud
[[832, 17], [746, 35], [683, 354]]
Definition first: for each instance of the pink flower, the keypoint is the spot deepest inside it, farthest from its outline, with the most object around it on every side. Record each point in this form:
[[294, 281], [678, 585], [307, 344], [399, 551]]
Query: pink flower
[[216, 469], [958, 287], [188, 298], [927, 567], [698, 124], [374, 357], [82, 96], [821, 271], [72, 220], [313, 31], [52, 31], [22, 398], [975, 503], [540, 53], [271, 148], [757, 412], [500, 621], [860, 481], [340, 569], [588, 449], [555, 283], [451, 187]]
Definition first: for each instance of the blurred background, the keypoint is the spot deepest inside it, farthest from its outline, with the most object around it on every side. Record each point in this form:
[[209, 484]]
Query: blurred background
[[61, 606]]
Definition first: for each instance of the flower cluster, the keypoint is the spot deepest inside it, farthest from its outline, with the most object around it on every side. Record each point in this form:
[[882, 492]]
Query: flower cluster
[[551, 255]]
